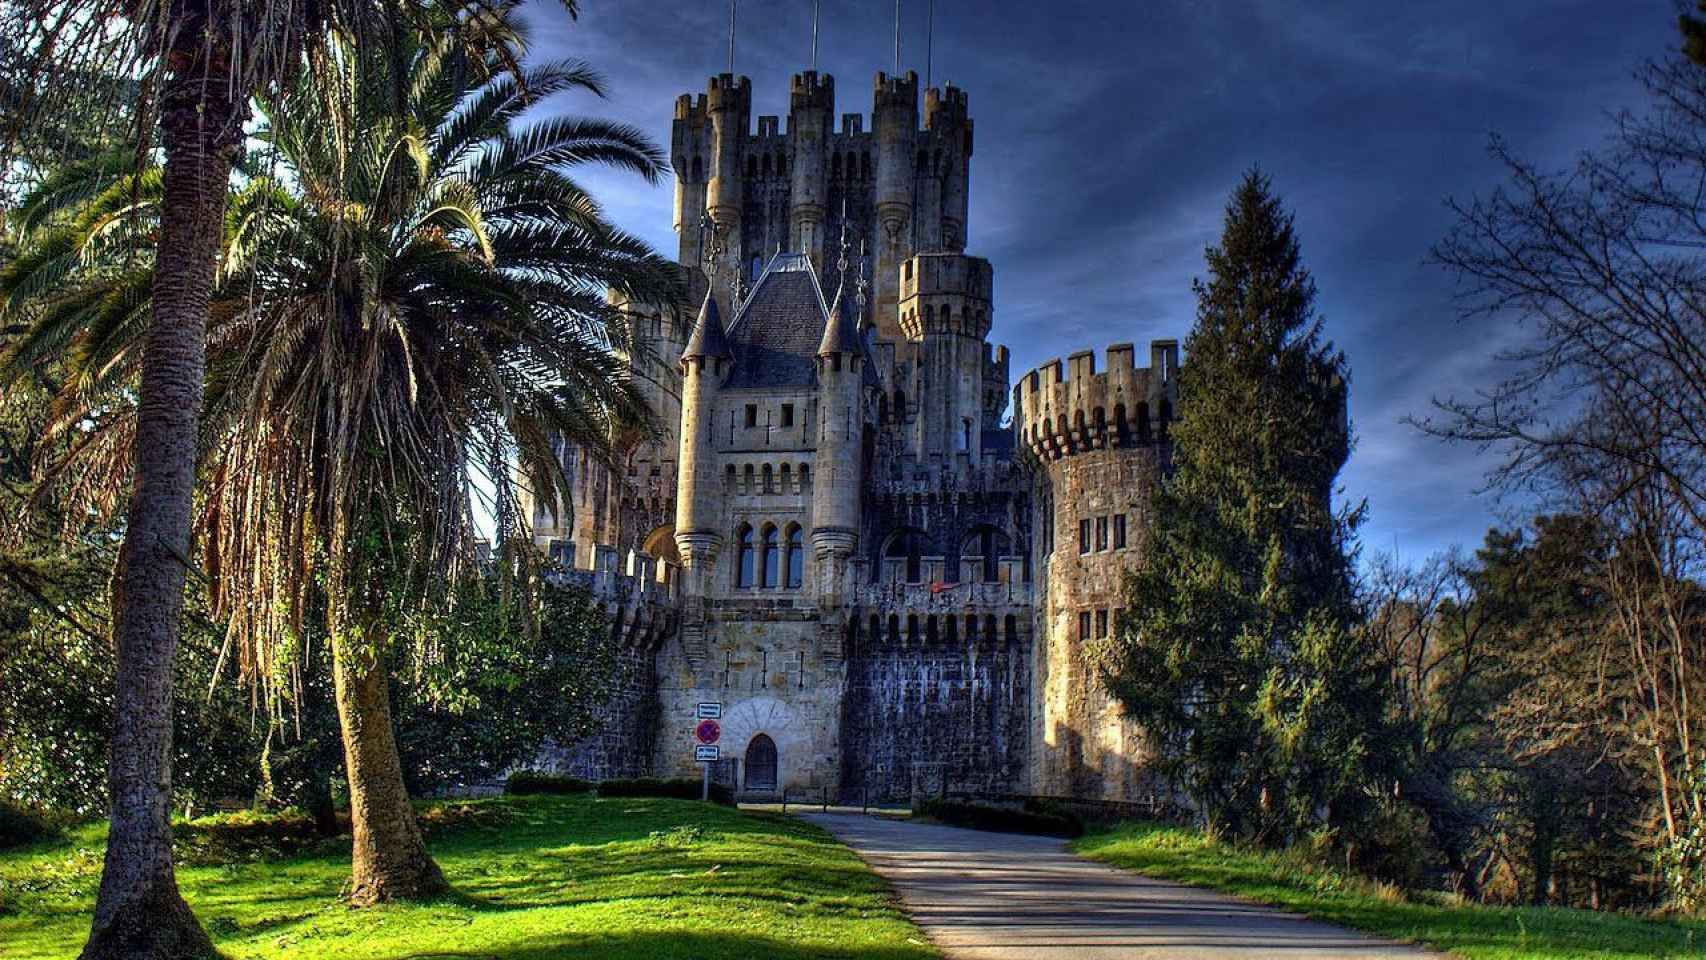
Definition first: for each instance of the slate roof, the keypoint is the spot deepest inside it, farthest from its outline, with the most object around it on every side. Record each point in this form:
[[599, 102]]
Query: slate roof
[[775, 335], [840, 335], [708, 339]]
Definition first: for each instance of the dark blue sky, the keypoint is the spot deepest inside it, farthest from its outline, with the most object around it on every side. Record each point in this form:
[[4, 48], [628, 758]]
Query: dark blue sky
[[1110, 133]]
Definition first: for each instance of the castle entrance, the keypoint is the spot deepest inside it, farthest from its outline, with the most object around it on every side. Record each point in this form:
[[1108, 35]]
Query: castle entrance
[[761, 765]]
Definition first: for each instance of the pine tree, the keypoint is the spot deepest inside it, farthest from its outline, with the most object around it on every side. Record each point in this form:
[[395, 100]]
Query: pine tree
[[1238, 653], [1694, 34]]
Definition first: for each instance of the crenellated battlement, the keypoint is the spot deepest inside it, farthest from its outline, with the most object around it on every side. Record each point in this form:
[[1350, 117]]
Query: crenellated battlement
[[945, 293], [726, 91], [811, 90], [890, 92], [944, 109], [641, 597], [1060, 409]]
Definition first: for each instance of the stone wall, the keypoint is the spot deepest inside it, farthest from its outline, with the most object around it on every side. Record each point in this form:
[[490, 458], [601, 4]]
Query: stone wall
[[625, 725], [936, 712]]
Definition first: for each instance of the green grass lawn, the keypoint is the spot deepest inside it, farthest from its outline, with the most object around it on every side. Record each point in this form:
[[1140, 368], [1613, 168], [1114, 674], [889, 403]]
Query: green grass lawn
[[534, 877], [1475, 932]]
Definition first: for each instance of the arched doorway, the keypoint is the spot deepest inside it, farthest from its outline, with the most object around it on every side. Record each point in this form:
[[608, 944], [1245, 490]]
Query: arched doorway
[[761, 765]]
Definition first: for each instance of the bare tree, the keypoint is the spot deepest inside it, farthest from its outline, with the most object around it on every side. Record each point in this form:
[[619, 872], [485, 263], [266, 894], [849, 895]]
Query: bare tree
[[1603, 265]]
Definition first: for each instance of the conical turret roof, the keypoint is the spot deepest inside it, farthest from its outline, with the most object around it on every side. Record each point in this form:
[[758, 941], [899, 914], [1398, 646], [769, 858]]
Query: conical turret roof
[[708, 339], [840, 334]]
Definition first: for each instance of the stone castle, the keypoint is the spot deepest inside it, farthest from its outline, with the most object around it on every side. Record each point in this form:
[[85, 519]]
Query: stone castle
[[843, 537]]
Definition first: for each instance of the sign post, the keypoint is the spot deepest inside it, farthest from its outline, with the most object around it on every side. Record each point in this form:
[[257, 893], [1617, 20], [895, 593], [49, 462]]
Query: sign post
[[706, 751]]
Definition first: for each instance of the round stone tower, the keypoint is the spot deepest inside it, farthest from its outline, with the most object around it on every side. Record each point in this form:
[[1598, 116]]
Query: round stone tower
[[1097, 444], [811, 122], [945, 117], [839, 481], [705, 362]]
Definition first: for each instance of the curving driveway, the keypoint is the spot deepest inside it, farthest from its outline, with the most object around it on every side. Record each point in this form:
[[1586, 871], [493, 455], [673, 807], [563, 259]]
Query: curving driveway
[[995, 896]]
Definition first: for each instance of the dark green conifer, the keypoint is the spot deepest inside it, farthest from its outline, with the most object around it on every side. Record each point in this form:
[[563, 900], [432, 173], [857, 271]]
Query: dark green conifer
[[1239, 654]]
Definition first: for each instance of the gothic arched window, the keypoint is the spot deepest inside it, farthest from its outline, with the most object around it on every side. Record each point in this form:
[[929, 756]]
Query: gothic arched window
[[796, 558], [744, 558], [772, 558]]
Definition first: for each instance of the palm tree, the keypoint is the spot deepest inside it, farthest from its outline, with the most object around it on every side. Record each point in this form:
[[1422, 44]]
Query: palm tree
[[201, 61], [416, 294]]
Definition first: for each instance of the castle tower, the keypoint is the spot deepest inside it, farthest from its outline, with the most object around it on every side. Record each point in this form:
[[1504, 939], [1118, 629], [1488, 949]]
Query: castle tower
[[894, 121], [900, 188], [945, 306], [698, 518], [949, 125], [811, 113], [840, 470], [1098, 444]]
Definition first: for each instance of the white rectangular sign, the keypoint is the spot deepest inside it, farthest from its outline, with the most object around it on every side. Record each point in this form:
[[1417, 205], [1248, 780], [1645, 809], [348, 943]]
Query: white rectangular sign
[[705, 754], [709, 711]]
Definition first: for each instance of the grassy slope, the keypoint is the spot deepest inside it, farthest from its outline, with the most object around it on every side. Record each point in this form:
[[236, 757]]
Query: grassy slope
[[1476, 932], [535, 878]]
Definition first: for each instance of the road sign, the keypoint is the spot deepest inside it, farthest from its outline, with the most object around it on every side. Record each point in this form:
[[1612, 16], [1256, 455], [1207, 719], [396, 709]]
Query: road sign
[[709, 711], [704, 753], [708, 731]]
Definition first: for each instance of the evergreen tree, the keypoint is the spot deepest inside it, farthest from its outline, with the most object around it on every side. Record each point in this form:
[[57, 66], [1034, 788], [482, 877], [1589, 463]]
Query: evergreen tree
[[1694, 34], [1239, 653]]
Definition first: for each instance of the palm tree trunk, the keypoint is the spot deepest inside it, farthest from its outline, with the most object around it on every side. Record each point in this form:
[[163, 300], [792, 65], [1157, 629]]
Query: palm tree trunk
[[139, 914], [389, 858]]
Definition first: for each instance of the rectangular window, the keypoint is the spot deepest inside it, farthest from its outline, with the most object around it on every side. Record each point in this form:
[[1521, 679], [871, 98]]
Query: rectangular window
[[1101, 623], [1101, 533], [1084, 535], [787, 414], [1083, 624], [752, 414], [1119, 531]]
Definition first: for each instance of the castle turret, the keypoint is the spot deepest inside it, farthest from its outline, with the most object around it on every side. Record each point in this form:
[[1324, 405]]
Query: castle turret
[[894, 122], [811, 119], [946, 119], [728, 102], [1097, 441], [698, 519], [691, 155], [945, 305], [840, 432]]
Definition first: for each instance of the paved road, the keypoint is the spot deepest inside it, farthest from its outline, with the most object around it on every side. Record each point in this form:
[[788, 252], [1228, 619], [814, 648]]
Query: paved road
[[993, 896]]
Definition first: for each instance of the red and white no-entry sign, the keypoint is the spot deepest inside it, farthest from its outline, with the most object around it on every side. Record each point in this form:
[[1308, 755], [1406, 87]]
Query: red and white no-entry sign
[[708, 731]]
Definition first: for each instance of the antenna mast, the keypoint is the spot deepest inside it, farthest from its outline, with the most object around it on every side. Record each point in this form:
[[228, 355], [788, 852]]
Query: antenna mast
[[897, 38], [732, 37], [930, 44], [815, 5]]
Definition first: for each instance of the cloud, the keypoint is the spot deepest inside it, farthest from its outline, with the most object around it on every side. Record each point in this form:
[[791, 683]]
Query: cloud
[[1110, 133]]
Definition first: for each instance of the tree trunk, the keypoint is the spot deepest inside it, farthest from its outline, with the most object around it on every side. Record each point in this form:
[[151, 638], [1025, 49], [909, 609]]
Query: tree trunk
[[138, 913], [390, 858]]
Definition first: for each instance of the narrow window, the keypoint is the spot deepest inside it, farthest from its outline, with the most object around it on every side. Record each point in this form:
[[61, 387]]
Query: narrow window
[[752, 414], [769, 479], [787, 414], [1101, 533], [772, 559], [1119, 531], [1101, 623], [796, 558], [1084, 536], [744, 568], [1083, 624]]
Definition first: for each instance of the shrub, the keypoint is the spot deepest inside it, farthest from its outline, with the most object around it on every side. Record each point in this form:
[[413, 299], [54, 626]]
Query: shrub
[[977, 816], [524, 783], [20, 826], [679, 788]]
